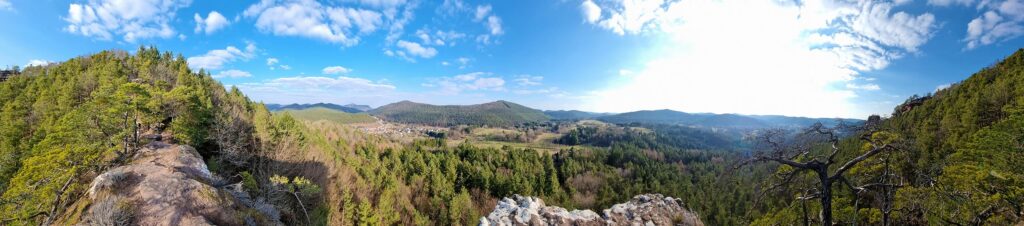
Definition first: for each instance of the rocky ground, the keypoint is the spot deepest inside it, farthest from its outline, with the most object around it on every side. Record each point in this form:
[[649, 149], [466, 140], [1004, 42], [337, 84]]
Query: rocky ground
[[166, 185], [647, 209]]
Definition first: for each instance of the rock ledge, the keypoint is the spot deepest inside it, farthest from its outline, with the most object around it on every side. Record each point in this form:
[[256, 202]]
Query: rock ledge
[[647, 209]]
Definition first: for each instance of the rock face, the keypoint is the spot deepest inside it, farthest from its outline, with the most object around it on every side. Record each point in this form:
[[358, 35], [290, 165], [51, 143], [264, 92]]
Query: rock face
[[648, 209], [165, 185]]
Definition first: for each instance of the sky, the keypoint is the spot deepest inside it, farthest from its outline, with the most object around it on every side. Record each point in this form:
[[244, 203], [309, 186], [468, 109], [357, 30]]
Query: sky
[[818, 58]]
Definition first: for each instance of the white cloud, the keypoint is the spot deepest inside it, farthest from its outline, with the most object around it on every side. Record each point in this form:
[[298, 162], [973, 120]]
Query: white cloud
[[140, 19], [462, 62], [271, 61], [494, 25], [868, 86], [942, 87], [899, 29], [1001, 21], [550, 90], [6, 5], [366, 20], [485, 15], [448, 37], [528, 80], [336, 70], [476, 81], [285, 67], [309, 18], [438, 38], [415, 49], [214, 21], [37, 62], [215, 59], [591, 12], [341, 82], [950, 2], [632, 16], [796, 58], [315, 89], [233, 74], [481, 12]]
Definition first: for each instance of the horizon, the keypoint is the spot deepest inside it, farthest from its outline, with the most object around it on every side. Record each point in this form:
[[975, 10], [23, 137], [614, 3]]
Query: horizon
[[819, 59], [611, 113]]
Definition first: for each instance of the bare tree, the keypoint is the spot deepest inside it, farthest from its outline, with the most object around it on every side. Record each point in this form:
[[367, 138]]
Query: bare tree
[[801, 153]]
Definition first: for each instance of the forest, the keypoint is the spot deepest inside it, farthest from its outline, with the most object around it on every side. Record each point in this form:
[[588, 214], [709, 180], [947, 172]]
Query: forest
[[947, 158]]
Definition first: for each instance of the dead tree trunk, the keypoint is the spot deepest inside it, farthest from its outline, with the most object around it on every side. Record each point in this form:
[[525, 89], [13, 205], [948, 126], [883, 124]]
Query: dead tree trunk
[[799, 156]]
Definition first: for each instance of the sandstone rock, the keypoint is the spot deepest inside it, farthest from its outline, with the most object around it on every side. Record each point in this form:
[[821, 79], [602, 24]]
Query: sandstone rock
[[648, 209], [165, 185]]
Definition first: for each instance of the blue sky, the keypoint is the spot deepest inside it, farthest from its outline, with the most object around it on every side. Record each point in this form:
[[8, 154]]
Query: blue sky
[[806, 58]]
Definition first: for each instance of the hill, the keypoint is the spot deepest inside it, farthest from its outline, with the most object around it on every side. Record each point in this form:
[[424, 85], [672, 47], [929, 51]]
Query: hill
[[956, 161], [322, 113], [347, 108], [498, 113], [728, 121], [572, 115], [360, 107], [966, 142]]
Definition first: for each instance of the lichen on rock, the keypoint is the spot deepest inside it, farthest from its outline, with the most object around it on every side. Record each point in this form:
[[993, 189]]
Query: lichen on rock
[[647, 209]]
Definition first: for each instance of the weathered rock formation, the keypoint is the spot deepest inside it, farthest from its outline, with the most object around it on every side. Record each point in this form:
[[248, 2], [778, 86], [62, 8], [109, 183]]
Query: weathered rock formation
[[648, 209], [165, 185]]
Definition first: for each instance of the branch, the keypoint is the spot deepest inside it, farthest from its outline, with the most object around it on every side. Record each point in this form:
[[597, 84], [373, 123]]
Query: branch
[[875, 150], [792, 163]]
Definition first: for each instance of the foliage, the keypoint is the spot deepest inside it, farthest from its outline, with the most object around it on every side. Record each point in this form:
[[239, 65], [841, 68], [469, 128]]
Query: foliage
[[497, 114]]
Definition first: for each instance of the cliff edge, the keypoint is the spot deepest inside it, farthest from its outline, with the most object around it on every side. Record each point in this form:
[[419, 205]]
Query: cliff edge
[[166, 184]]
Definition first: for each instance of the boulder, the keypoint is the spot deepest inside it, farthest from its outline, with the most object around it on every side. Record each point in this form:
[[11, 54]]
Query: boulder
[[165, 185], [647, 209]]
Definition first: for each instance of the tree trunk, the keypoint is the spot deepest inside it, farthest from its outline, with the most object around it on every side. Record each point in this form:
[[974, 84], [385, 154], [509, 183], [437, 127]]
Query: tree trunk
[[826, 197]]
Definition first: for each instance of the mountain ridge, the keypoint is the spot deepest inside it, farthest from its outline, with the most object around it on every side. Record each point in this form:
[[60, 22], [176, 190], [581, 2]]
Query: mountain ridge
[[349, 108]]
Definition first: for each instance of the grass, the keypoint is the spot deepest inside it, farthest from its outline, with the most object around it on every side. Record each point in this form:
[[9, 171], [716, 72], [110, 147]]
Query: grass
[[319, 113]]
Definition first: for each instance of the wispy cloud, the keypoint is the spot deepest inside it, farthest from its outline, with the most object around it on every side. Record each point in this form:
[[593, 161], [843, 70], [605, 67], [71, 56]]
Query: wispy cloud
[[408, 50], [314, 89], [476, 81], [232, 74], [215, 59], [792, 54], [6, 5], [529, 80], [336, 70]]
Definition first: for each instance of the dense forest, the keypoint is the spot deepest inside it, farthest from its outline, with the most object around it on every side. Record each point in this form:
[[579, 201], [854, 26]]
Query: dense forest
[[498, 113], [944, 158]]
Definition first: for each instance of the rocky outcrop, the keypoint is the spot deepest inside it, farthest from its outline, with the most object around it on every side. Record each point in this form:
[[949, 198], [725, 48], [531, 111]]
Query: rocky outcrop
[[648, 209], [165, 185]]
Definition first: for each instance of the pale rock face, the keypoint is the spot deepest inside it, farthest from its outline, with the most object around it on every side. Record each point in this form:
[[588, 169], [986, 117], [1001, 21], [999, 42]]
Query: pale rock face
[[164, 185], [648, 209]]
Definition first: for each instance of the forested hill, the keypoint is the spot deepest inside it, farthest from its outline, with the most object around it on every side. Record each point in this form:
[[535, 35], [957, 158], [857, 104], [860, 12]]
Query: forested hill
[[956, 159], [964, 147], [63, 123], [573, 114], [731, 121], [498, 113]]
